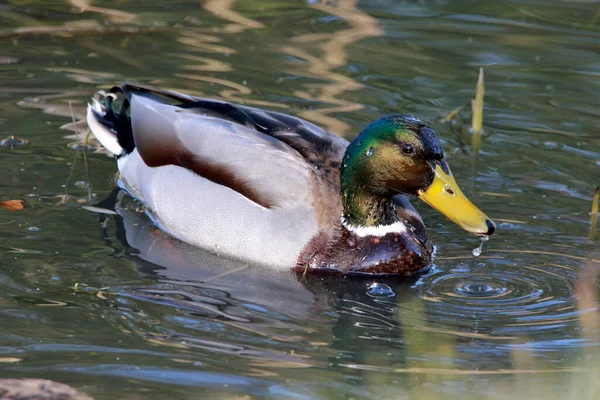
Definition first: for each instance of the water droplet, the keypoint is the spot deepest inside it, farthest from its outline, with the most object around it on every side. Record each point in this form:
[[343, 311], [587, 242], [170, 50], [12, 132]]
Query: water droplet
[[477, 251], [377, 289], [82, 184], [370, 152], [80, 146]]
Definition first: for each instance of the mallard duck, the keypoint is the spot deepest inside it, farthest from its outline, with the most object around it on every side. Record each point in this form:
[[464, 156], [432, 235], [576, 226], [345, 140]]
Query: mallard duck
[[272, 189]]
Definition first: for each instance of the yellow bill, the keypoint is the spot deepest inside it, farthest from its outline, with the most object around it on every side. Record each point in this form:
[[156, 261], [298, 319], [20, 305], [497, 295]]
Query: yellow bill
[[445, 196]]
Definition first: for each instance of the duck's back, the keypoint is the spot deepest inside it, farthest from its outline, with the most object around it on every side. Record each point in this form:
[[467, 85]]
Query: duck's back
[[243, 182]]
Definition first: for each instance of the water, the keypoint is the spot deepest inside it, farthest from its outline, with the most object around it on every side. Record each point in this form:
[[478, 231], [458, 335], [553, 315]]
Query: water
[[105, 302], [479, 249], [377, 289]]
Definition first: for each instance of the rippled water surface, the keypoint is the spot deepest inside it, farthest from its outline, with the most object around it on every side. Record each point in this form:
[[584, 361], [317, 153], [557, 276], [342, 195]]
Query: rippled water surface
[[114, 307]]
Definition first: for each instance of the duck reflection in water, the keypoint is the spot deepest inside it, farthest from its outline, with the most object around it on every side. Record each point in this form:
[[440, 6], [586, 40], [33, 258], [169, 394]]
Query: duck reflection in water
[[214, 287]]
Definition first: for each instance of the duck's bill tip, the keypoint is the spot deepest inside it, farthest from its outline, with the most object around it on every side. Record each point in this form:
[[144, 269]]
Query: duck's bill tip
[[446, 197]]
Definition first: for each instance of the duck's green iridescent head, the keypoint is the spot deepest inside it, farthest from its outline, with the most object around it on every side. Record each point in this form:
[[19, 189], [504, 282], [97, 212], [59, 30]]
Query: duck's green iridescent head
[[391, 155], [400, 154]]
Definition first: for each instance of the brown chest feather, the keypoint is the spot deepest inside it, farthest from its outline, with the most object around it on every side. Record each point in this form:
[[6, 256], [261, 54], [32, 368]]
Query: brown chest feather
[[393, 253]]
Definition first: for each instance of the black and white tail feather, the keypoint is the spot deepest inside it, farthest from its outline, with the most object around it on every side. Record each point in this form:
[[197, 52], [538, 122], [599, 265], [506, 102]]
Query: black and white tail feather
[[108, 127]]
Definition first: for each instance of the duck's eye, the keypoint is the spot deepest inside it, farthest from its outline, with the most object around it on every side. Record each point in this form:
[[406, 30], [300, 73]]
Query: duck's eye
[[408, 148]]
